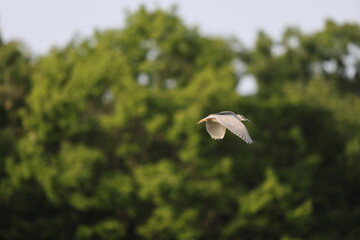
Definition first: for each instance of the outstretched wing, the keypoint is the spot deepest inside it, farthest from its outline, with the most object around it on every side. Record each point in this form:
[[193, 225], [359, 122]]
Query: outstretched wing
[[233, 124], [216, 130]]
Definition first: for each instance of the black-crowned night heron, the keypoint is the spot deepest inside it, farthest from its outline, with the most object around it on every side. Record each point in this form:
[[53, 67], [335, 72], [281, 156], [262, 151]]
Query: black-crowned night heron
[[217, 123]]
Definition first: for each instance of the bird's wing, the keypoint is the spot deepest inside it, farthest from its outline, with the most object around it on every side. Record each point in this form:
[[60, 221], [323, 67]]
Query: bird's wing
[[216, 130], [234, 125]]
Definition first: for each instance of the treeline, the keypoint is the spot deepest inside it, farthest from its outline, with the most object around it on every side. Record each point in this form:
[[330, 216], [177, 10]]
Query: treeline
[[98, 139]]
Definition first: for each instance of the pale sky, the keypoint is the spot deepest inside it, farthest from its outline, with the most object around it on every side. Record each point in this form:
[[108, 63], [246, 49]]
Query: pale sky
[[41, 24]]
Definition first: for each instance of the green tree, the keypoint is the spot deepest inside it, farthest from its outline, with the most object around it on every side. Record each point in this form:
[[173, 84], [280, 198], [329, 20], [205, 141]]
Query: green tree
[[107, 147], [332, 54], [14, 85]]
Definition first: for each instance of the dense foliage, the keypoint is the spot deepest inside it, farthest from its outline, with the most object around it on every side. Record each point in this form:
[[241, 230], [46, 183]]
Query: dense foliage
[[98, 140]]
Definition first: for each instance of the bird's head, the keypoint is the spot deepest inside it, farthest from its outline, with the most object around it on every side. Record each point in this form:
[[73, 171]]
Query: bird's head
[[242, 118]]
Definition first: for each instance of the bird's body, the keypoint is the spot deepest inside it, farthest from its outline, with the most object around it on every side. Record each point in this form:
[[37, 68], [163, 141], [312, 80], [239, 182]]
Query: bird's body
[[217, 123]]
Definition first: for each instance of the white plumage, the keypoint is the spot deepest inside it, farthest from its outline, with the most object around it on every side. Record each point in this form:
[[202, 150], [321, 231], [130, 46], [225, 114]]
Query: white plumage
[[217, 123]]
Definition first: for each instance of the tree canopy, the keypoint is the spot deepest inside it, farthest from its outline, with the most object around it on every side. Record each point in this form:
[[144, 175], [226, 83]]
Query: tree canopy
[[98, 139]]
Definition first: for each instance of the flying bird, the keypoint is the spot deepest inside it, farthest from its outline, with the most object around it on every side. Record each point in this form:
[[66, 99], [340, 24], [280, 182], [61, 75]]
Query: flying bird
[[217, 123]]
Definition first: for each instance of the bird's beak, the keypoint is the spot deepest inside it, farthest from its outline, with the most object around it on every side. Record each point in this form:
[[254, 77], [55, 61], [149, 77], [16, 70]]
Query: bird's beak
[[202, 120], [247, 120]]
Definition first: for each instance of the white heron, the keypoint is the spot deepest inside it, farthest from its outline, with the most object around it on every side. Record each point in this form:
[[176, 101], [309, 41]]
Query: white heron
[[217, 123]]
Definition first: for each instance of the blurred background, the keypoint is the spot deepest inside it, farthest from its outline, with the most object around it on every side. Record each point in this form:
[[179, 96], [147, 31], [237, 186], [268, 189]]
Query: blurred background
[[98, 109]]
